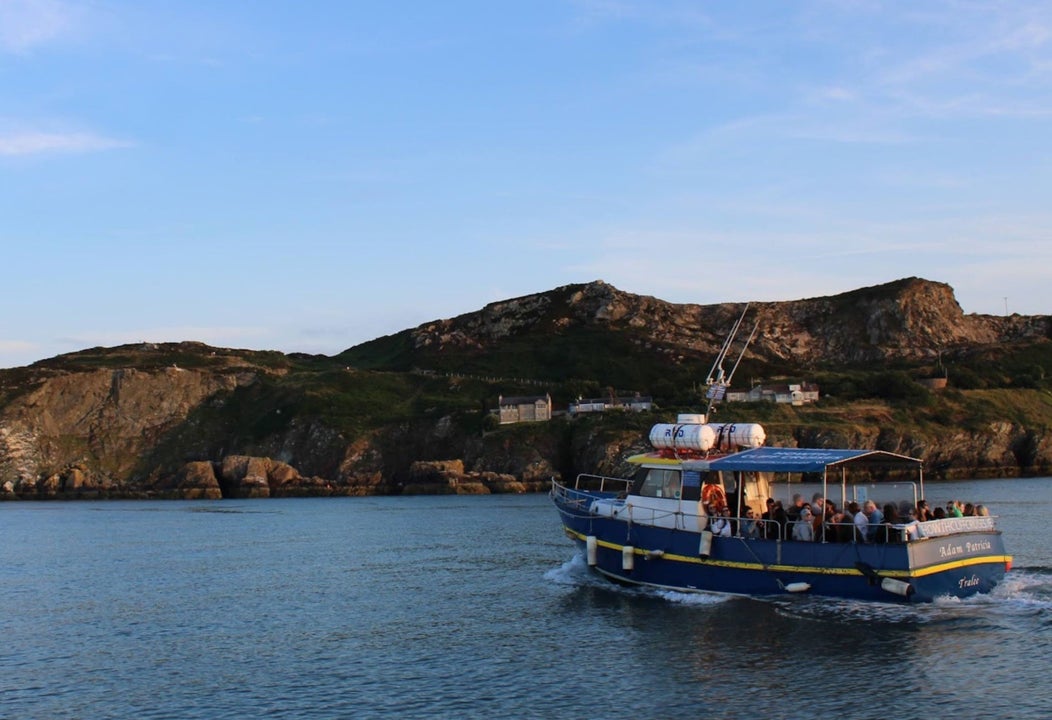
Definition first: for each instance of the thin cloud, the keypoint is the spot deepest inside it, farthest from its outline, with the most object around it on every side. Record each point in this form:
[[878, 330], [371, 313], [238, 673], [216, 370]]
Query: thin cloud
[[39, 143], [26, 24]]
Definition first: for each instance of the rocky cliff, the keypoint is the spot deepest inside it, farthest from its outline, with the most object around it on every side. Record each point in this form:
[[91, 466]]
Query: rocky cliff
[[906, 319], [183, 420]]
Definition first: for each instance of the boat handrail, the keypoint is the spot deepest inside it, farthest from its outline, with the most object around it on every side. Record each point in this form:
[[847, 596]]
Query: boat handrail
[[590, 479], [581, 500]]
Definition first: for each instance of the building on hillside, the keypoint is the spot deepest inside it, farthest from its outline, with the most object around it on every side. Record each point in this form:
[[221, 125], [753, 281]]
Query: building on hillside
[[536, 408], [804, 393], [636, 403]]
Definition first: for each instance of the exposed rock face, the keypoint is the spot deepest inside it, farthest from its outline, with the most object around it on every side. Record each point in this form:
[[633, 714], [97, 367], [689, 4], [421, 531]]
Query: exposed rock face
[[908, 319], [118, 415], [447, 477], [195, 481]]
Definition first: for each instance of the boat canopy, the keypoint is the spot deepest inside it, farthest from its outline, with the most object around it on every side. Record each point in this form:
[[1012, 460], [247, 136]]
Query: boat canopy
[[800, 460]]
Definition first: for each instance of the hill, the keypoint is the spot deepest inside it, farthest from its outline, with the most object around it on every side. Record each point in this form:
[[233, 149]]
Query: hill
[[410, 411]]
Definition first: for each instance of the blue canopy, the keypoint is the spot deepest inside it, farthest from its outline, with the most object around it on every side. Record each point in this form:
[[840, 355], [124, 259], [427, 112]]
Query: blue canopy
[[799, 460]]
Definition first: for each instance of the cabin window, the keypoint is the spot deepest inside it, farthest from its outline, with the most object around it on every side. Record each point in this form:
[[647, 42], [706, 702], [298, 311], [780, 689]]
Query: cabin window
[[691, 485], [661, 483]]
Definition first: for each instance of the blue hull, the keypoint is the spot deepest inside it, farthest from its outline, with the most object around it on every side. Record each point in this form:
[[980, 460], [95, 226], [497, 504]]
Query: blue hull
[[919, 571]]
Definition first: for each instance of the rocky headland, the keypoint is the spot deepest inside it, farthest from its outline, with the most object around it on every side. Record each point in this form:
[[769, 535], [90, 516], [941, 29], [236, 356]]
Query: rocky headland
[[184, 420]]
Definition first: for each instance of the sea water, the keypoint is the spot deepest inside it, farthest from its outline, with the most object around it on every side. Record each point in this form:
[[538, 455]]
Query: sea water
[[473, 607]]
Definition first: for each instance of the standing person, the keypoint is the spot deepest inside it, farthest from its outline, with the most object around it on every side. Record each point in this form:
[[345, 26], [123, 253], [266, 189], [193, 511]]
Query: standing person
[[781, 521], [802, 528], [875, 520], [767, 521], [861, 521]]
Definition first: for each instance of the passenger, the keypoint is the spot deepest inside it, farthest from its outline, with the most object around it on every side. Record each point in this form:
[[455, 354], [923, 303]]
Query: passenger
[[844, 522], [938, 514], [766, 514], [781, 521], [924, 512], [721, 524], [818, 504], [829, 519], [818, 524], [861, 521], [912, 529], [802, 528], [767, 519], [969, 510], [954, 509], [793, 512], [876, 522], [982, 511], [750, 526], [887, 533]]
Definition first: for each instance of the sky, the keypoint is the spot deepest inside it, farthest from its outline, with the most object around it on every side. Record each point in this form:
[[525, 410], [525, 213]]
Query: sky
[[307, 176]]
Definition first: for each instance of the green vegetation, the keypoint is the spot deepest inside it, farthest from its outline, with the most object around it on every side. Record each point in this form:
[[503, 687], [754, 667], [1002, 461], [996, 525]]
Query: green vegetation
[[388, 382]]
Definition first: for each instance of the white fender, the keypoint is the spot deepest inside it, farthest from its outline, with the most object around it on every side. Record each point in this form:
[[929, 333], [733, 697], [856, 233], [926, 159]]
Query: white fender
[[898, 587], [705, 546]]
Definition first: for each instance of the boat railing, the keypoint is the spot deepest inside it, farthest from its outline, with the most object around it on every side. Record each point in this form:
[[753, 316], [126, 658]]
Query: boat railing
[[570, 498], [601, 483], [581, 499]]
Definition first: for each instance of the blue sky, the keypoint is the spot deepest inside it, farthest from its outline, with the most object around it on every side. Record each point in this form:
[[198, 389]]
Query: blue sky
[[305, 176]]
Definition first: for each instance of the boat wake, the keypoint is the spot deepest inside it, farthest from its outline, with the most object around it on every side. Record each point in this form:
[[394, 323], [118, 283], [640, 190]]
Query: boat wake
[[575, 572], [572, 572], [1023, 593]]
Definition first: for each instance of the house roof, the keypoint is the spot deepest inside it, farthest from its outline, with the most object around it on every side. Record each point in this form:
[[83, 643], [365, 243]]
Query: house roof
[[523, 400]]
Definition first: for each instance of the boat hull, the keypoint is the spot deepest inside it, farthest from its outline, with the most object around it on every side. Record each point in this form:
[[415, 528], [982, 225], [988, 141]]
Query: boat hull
[[958, 565]]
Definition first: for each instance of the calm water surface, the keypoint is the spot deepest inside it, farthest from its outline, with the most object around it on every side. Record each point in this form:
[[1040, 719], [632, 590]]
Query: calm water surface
[[472, 607]]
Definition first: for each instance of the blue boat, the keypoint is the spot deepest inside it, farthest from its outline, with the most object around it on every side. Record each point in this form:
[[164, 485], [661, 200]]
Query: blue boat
[[657, 529], [691, 519]]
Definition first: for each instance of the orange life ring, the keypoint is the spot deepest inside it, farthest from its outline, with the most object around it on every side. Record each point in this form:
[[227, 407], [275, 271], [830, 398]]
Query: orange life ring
[[714, 496]]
